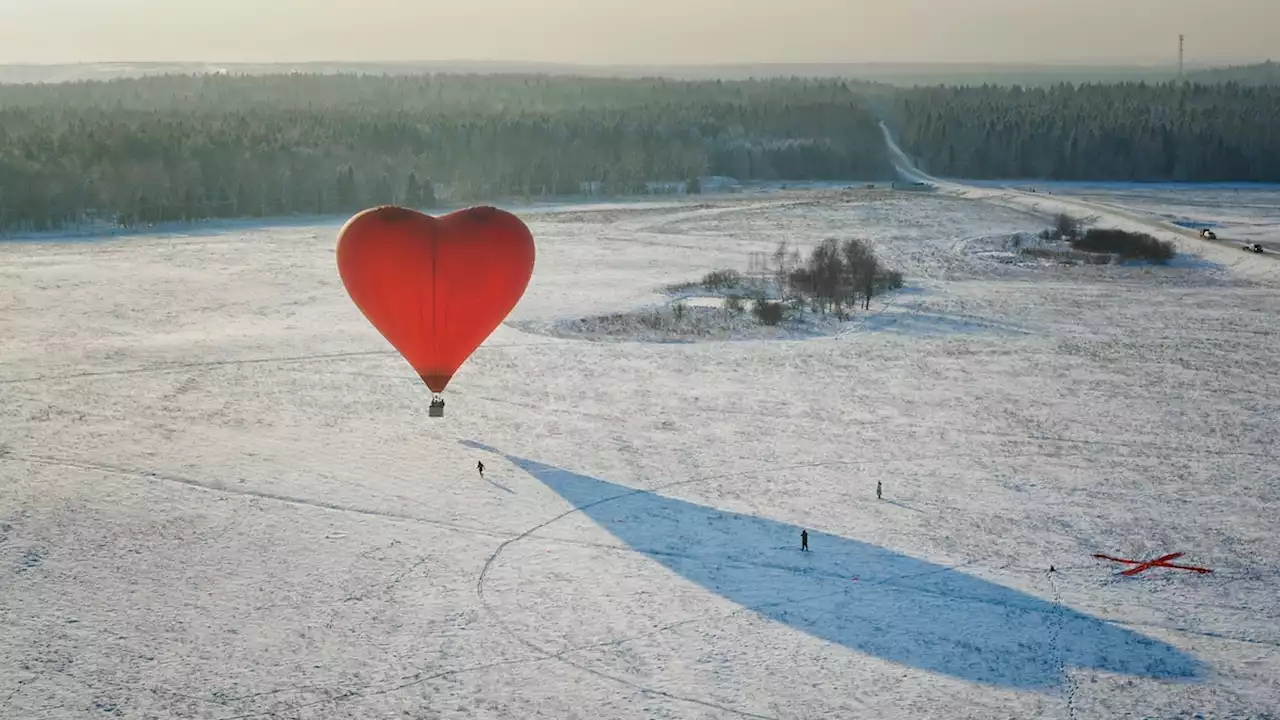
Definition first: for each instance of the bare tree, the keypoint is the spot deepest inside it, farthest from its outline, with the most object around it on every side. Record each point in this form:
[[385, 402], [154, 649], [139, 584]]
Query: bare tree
[[863, 269], [1067, 227], [781, 274]]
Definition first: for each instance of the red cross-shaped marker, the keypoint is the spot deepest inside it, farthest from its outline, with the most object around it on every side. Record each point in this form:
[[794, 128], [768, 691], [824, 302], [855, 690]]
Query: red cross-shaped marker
[[1140, 565]]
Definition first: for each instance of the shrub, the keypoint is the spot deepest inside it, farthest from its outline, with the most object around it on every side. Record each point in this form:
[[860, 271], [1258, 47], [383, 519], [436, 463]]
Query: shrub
[[768, 312], [721, 279], [1128, 245], [1067, 227], [892, 280]]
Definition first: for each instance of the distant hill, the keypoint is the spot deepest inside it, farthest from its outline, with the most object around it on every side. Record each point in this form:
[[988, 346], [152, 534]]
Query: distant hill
[[79, 72], [902, 74], [1267, 73]]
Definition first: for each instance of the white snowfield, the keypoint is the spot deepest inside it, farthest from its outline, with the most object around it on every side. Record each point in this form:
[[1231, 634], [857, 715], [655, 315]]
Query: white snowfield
[[221, 498], [1263, 225]]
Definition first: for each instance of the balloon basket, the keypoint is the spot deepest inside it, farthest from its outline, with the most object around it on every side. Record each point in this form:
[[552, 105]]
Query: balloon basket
[[435, 411]]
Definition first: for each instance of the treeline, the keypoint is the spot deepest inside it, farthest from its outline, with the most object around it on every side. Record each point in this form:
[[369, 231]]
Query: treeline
[[192, 147], [1264, 73], [1130, 131]]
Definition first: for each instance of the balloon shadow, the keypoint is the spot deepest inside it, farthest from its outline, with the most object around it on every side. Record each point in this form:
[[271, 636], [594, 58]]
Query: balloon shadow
[[864, 597]]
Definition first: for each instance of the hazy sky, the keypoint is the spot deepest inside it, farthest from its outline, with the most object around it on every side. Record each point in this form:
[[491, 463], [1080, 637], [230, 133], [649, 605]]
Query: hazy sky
[[637, 31]]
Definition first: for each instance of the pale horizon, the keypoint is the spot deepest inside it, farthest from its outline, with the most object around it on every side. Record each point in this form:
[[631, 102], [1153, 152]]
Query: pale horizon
[[662, 32]]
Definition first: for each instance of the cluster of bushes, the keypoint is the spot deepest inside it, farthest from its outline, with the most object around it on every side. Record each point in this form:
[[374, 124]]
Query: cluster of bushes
[[722, 280], [1097, 246], [1126, 245], [834, 278], [1066, 227], [769, 312]]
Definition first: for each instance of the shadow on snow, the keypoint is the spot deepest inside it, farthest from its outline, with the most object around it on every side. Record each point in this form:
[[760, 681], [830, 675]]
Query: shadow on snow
[[899, 608]]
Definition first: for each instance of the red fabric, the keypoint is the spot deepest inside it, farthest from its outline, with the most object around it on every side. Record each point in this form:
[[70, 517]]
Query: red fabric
[[435, 287]]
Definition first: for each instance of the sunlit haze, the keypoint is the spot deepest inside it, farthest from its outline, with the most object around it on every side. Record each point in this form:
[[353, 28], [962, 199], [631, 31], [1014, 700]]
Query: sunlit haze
[[628, 32]]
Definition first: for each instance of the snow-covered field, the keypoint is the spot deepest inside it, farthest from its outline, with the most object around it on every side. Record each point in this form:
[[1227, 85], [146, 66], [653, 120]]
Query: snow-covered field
[[220, 495], [1238, 213]]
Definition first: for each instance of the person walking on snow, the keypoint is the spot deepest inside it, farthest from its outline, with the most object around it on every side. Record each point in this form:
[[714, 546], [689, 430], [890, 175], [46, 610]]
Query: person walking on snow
[[804, 540], [480, 467], [878, 488]]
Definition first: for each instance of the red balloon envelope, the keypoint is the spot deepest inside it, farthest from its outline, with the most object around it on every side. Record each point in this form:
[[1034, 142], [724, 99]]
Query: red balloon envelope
[[435, 287]]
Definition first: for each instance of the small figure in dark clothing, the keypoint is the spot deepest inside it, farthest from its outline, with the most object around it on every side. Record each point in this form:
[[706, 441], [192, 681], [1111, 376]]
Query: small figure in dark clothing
[[804, 540], [480, 467], [878, 489]]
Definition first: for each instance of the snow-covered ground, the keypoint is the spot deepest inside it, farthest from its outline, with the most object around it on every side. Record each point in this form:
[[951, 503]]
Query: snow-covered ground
[[1241, 214], [1237, 213], [220, 495]]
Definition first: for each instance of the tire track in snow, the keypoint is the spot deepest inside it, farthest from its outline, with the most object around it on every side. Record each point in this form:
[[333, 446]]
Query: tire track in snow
[[349, 695], [364, 694], [761, 606], [551, 654], [1162, 450], [1072, 683], [335, 507], [89, 466], [653, 224], [180, 366], [263, 494], [1202, 633], [198, 365], [545, 654], [322, 505], [624, 232]]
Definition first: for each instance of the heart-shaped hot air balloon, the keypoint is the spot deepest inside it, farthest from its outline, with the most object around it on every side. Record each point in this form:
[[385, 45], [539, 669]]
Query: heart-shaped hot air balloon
[[435, 287]]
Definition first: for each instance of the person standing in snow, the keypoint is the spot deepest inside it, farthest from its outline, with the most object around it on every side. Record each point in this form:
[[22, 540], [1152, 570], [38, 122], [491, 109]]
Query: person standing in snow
[[480, 467], [878, 488], [804, 540]]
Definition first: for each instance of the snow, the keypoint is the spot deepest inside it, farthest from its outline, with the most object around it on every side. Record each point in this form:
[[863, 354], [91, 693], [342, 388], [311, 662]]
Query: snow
[[220, 495], [1237, 213], [1105, 204]]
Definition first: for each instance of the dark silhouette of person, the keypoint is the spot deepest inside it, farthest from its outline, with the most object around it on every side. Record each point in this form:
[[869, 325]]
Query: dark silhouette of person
[[878, 489], [804, 540], [480, 467]]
